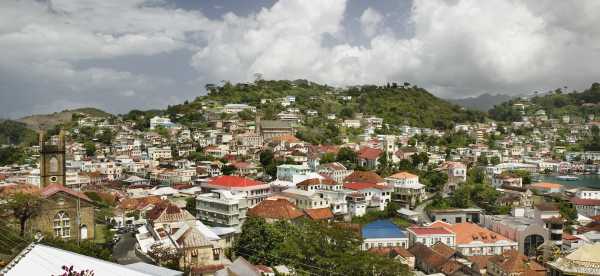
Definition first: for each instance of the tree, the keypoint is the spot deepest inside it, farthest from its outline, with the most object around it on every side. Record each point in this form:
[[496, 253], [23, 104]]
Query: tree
[[70, 271], [23, 205], [106, 137], [246, 115], [266, 157], [90, 148], [420, 159], [165, 256], [228, 169], [347, 156], [190, 205], [495, 160], [328, 158]]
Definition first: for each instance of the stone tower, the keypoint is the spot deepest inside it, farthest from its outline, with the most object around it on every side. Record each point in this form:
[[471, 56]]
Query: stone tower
[[52, 160]]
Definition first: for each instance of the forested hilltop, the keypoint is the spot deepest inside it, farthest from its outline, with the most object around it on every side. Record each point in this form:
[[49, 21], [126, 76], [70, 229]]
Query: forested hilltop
[[396, 104], [555, 103]]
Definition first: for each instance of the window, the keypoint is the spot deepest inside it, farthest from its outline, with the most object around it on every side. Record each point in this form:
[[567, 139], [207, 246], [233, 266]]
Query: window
[[458, 220], [62, 225]]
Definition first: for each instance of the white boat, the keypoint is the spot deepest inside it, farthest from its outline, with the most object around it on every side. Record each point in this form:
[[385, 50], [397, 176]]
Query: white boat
[[567, 177]]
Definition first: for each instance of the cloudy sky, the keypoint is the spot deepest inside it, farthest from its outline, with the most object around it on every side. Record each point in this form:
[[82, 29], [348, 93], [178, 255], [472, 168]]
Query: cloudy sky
[[123, 54]]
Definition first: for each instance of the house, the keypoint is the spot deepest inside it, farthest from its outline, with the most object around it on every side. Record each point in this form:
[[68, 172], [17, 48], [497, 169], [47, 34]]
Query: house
[[588, 194], [507, 179], [172, 228], [376, 195], [275, 209], [513, 263], [253, 190], [456, 215], [407, 188], [429, 235], [546, 188], [586, 206], [158, 121], [39, 259], [241, 267], [438, 258], [269, 129], [583, 261], [328, 189], [474, 240], [222, 208], [457, 173], [236, 108], [335, 171], [383, 233], [397, 253], [286, 172], [369, 157]]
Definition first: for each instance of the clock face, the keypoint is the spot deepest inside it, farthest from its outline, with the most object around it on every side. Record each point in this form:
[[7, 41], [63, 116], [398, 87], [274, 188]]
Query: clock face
[[53, 179]]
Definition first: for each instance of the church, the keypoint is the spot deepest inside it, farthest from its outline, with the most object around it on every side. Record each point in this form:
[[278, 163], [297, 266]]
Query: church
[[65, 213]]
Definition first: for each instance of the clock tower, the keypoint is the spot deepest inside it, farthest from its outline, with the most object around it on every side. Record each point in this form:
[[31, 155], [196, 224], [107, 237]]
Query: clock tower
[[52, 160]]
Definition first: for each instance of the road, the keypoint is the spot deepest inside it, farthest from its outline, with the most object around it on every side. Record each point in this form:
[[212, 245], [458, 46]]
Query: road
[[124, 250], [424, 218]]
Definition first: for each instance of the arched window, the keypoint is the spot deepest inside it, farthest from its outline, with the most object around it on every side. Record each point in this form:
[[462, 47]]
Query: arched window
[[53, 165], [62, 225]]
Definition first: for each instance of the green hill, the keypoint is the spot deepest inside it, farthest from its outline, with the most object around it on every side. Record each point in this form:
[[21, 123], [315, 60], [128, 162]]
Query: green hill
[[48, 121], [554, 103], [16, 133], [396, 104]]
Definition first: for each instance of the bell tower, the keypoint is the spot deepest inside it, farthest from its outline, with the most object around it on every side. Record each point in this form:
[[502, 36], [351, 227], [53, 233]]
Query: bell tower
[[52, 160]]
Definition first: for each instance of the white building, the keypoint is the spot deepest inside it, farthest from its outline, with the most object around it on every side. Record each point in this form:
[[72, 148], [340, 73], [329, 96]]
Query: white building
[[156, 153], [160, 121], [429, 235], [222, 208], [286, 172], [588, 194], [235, 108]]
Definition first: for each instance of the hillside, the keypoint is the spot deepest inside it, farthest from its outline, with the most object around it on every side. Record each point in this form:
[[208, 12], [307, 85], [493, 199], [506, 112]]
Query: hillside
[[396, 104], [48, 121], [554, 103], [16, 133], [483, 102]]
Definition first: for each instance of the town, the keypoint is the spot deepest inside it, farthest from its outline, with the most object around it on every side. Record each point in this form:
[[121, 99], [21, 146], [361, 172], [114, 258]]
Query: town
[[297, 178]]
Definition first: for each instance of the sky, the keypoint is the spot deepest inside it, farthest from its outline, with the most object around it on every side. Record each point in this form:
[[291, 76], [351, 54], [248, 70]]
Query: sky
[[119, 55]]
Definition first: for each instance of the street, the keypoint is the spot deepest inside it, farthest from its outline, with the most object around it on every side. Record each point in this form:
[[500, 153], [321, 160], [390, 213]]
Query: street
[[124, 250]]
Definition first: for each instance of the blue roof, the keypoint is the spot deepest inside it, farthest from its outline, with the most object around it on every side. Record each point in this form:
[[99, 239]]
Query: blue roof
[[382, 229]]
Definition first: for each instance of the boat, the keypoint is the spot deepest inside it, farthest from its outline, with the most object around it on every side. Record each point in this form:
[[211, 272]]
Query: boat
[[567, 177]]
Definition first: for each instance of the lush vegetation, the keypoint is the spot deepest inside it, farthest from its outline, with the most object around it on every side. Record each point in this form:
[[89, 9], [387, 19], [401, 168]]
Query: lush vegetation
[[554, 103], [396, 104], [475, 192], [311, 248], [16, 133]]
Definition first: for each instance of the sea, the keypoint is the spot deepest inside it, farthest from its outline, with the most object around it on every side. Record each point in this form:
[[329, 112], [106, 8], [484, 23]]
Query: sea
[[588, 180]]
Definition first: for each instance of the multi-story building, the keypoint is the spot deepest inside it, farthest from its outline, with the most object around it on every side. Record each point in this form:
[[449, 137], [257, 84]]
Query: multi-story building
[[473, 240], [457, 173], [588, 194], [407, 188], [376, 195], [286, 172], [253, 190], [335, 171], [158, 121], [429, 235], [156, 153], [222, 208], [235, 108]]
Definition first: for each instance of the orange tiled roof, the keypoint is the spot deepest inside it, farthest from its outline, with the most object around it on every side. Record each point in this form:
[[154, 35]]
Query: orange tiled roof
[[514, 262], [364, 177], [546, 185], [467, 232], [55, 188], [319, 213], [275, 209], [403, 175]]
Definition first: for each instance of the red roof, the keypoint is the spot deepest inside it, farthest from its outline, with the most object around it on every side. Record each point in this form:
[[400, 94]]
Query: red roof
[[369, 153], [55, 188], [319, 213], [364, 176], [275, 209], [233, 181], [585, 201], [363, 185], [422, 231]]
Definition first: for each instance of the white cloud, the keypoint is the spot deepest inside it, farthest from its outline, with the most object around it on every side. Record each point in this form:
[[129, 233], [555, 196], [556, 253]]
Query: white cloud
[[458, 48], [370, 22]]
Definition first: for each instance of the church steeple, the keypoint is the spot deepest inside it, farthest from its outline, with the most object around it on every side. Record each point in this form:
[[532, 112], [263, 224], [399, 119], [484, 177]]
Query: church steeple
[[52, 160]]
